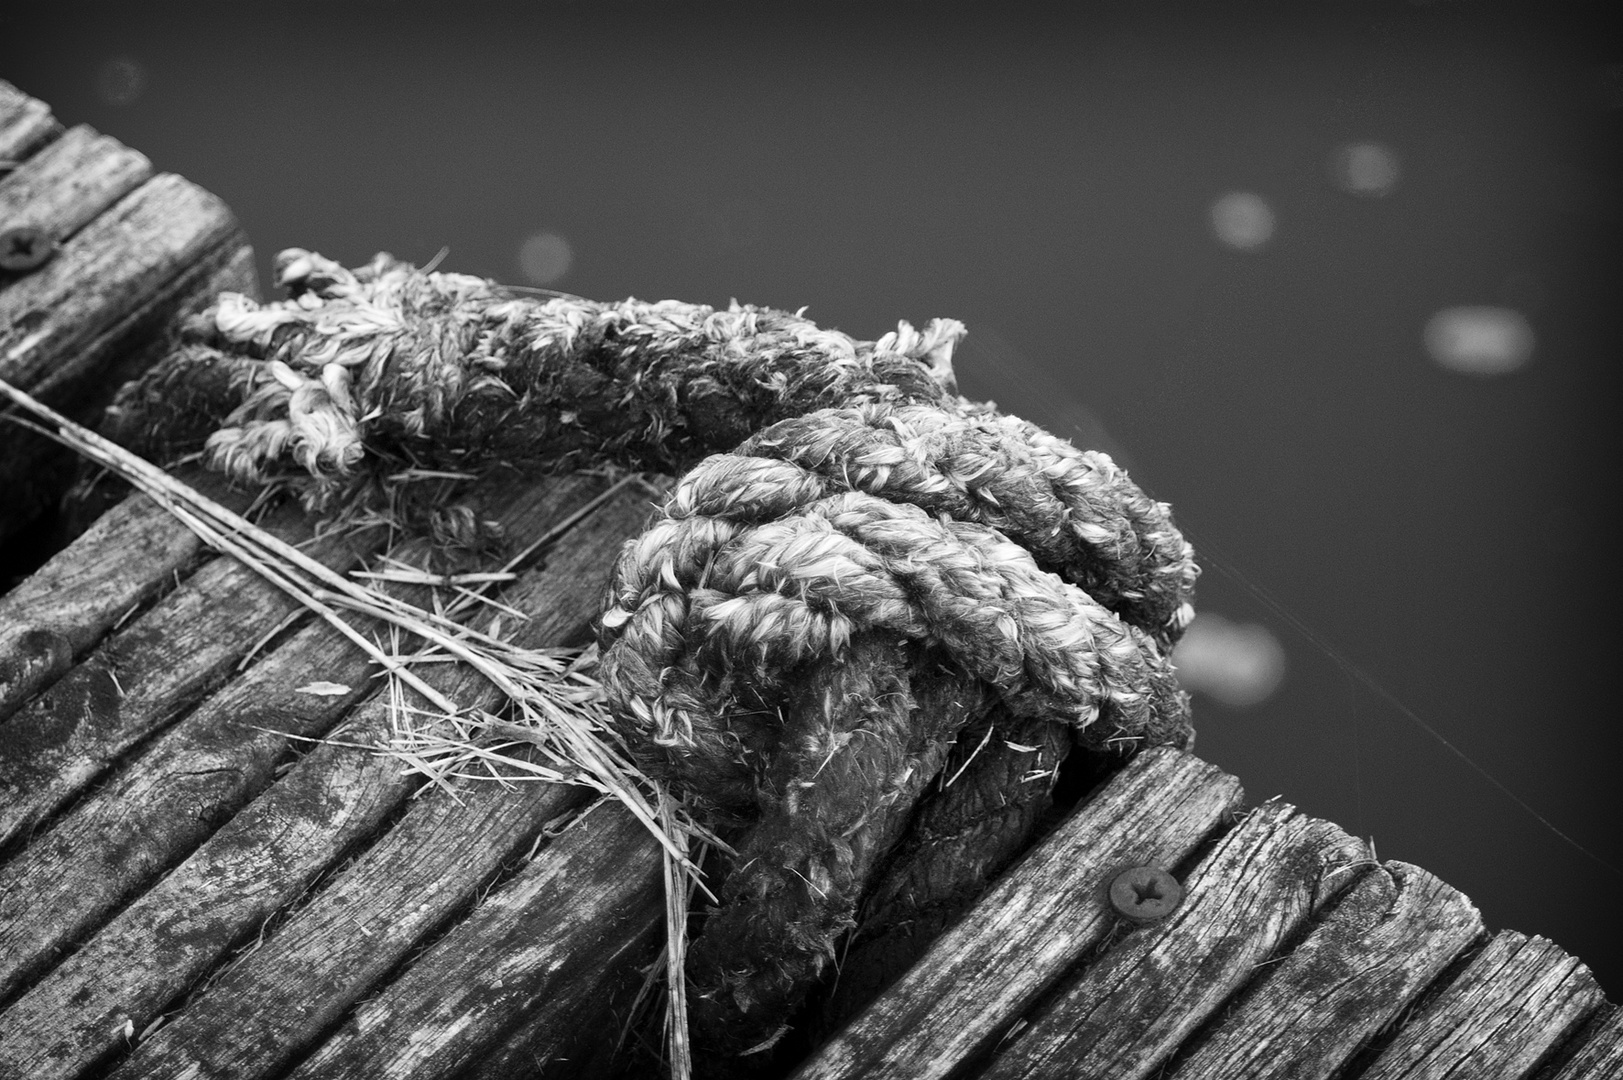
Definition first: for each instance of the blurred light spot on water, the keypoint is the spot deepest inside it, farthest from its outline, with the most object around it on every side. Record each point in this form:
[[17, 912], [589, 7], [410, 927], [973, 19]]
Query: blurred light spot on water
[[1364, 168], [120, 81], [1238, 664], [1479, 340], [545, 258], [1242, 220]]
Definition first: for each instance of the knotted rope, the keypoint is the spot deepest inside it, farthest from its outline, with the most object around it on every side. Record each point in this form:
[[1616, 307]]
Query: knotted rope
[[857, 565]]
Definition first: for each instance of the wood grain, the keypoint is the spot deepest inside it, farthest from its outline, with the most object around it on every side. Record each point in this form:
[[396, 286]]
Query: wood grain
[[280, 999], [1039, 920], [109, 290], [54, 319], [591, 1032], [147, 674], [66, 184], [72, 330], [538, 942], [1380, 945], [161, 663], [1126, 1013], [158, 808], [1598, 1050], [192, 779], [36, 472], [1515, 1001], [129, 554], [92, 1004], [336, 797], [25, 123]]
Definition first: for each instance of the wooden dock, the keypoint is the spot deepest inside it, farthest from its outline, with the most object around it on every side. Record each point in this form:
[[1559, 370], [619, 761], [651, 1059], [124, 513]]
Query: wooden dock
[[98, 253], [192, 890], [208, 870]]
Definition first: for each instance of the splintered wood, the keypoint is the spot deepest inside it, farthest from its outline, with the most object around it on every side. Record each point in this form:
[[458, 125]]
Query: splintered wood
[[1516, 1000]]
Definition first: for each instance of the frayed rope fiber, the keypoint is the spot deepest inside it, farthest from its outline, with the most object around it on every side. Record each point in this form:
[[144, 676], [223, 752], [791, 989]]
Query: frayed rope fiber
[[858, 564]]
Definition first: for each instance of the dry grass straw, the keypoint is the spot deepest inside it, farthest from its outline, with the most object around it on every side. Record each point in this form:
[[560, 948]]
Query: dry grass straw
[[555, 706]]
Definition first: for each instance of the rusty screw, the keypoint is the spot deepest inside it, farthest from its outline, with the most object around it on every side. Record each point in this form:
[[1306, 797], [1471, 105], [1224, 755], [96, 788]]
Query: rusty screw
[[23, 248], [1145, 894]]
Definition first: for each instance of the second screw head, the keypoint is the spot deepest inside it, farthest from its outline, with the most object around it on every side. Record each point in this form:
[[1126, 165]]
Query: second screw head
[[24, 247], [1145, 894]]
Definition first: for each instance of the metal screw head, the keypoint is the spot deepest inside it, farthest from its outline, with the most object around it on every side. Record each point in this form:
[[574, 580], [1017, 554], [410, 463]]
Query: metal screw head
[[1145, 894], [24, 247]]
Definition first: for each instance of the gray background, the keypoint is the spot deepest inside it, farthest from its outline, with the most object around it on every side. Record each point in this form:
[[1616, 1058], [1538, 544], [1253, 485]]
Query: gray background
[[1047, 180]]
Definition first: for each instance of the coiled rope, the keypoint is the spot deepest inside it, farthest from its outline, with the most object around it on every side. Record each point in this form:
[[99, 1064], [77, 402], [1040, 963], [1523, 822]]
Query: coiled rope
[[857, 565]]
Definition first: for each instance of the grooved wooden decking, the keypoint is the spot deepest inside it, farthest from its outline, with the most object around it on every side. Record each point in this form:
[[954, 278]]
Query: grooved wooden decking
[[130, 251], [188, 890]]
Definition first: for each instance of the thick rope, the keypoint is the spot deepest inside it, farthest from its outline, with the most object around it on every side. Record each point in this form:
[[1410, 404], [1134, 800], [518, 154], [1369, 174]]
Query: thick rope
[[859, 564], [1074, 511], [446, 369]]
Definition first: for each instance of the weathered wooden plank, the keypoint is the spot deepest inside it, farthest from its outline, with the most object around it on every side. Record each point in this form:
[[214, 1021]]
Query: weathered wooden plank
[[283, 997], [101, 996], [52, 321], [148, 673], [66, 184], [90, 1005], [127, 556], [542, 940], [591, 1031], [1383, 942], [165, 802], [1039, 920], [25, 123], [34, 471], [279, 999], [1599, 1052], [1126, 1013], [1515, 1001], [108, 291], [584, 1032]]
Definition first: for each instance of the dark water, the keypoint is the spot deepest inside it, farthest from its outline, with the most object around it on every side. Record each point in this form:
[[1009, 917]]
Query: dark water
[[1051, 183]]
